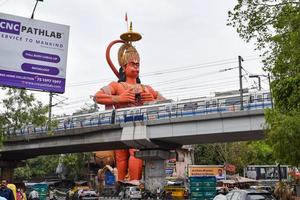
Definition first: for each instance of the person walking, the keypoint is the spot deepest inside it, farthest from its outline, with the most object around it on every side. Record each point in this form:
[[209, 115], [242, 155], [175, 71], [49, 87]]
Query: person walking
[[5, 191], [158, 193], [19, 194], [33, 195]]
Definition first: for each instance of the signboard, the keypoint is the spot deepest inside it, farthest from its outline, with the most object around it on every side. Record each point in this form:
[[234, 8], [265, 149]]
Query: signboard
[[265, 172], [207, 170], [33, 53], [170, 168]]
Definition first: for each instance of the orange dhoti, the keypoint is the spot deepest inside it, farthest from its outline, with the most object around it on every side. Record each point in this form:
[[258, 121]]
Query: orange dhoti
[[127, 163]]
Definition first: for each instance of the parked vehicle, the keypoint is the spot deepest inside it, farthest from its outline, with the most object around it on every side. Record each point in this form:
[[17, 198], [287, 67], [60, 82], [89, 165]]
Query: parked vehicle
[[249, 195], [87, 194], [263, 187], [133, 192]]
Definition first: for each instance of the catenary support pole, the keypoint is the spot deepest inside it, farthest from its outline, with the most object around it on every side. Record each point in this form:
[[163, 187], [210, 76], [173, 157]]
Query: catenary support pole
[[241, 82]]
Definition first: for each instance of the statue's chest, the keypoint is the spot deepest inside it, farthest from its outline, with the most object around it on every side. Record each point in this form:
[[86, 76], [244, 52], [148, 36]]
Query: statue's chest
[[138, 88]]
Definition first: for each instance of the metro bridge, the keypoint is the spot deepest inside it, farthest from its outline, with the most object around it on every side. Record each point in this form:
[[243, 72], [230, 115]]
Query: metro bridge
[[170, 129], [165, 133]]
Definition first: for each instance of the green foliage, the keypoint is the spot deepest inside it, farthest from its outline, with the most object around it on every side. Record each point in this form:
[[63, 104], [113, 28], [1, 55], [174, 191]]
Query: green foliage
[[258, 152], [37, 168], [18, 109], [76, 164], [45, 166], [284, 135], [275, 28]]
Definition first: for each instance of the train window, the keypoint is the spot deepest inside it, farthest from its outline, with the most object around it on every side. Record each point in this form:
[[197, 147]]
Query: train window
[[214, 103], [221, 102], [232, 101], [259, 98], [267, 96], [190, 106], [211, 103], [201, 104], [180, 105], [102, 116], [207, 104], [143, 110], [120, 113], [162, 108], [173, 107], [152, 110]]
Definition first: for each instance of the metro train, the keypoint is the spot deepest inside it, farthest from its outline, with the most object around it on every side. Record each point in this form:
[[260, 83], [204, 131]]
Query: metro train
[[220, 102]]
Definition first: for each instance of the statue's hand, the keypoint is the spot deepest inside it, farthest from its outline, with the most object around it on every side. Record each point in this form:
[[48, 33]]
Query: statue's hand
[[146, 97], [128, 96]]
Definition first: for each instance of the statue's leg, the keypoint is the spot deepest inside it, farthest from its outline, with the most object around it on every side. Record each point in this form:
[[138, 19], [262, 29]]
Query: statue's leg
[[122, 163], [135, 166]]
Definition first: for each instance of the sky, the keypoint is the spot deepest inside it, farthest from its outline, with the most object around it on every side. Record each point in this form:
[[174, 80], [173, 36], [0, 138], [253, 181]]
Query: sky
[[185, 49]]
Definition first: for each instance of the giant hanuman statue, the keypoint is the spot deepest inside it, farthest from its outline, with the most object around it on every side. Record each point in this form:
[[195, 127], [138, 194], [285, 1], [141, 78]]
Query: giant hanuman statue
[[126, 92]]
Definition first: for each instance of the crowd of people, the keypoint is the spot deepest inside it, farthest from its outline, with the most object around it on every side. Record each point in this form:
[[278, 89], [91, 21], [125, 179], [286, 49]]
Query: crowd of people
[[11, 192]]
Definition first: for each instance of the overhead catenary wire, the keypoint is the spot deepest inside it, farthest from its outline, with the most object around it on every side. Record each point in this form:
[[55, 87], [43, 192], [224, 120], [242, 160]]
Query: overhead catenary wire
[[180, 90], [192, 90], [168, 95], [165, 72], [164, 89], [208, 83]]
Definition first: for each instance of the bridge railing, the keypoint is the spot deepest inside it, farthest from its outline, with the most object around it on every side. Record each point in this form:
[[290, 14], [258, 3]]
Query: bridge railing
[[136, 114]]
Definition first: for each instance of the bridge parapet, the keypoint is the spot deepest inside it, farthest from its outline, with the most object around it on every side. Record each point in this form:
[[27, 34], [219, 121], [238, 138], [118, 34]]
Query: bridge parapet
[[119, 118]]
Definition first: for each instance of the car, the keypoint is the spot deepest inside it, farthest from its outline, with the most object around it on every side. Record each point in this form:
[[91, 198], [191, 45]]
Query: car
[[85, 194], [249, 194], [262, 187], [133, 192]]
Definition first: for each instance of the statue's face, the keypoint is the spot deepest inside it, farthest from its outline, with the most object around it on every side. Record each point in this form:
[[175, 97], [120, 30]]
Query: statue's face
[[132, 69]]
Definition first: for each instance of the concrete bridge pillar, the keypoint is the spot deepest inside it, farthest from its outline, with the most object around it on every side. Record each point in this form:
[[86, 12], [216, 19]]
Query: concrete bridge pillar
[[7, 169], [7, 174], [154, 167]]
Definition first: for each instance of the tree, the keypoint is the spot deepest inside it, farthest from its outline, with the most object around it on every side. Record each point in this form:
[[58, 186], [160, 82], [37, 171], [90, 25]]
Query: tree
[[45, 166], [275, 28], [257, 152], [20, 109], [37, 168], [76, 164]]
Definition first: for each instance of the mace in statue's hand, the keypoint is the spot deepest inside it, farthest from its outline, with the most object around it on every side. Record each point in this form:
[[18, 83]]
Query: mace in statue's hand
[[147, 97]]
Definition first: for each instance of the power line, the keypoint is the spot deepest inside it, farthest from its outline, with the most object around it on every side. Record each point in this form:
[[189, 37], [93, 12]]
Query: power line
[[167, 71], [196, 86], [207, 83], [193, 90]]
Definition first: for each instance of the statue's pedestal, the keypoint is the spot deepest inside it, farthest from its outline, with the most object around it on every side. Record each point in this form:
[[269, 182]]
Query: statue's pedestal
[[154, 174]]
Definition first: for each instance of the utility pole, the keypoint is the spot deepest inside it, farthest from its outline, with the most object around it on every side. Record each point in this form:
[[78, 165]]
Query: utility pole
[[51, 105], [241, 82], [259, 85], [271, 98], [50, 94], [50, 111], [32, 15]]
